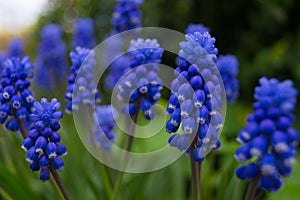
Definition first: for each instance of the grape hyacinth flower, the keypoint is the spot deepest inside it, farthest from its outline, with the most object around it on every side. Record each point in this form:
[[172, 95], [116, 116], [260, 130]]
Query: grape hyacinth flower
[[228, 66], [141, 85], [127, 15], [268, 140], [16, 100], [195, 101], [16, 48], [84, 34], [104, 117], [81, 87], [42, 145], [192, 28], [51, 60]]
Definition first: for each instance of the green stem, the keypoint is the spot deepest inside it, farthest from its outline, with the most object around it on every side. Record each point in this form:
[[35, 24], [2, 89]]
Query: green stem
[[195, 171], [252, 188], [56, 177], [119, 180]]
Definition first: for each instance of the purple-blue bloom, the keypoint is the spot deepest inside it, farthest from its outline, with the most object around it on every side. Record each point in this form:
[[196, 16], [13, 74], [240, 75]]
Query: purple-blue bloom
[[192, 28], [228, 66], [51, 61], [15, 48], [104, 125], [127, 15], [84, 34], [43, 146], [81, 88], [194, 101], [16, 100], [268, 135], [141, 86]]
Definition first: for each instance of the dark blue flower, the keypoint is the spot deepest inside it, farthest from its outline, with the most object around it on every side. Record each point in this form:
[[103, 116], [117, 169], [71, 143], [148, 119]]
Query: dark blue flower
[[51, 60], [43, 145], [141, 85], [192, 28], [84, 34], [193, 103], [127, 15], [16, 101], [104, 125], [81, 87], [228, 67], [268, 135]]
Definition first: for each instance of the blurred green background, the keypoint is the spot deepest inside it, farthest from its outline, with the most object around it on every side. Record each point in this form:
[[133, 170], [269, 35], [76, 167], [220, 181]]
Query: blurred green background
[[263, 34]]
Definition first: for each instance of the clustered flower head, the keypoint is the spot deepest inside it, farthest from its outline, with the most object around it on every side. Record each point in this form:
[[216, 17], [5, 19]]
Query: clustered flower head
[[228, 66], [268, 140], [192, 28], [51, 60], [81, 87], [16, 100], [104, 125], [42, 145], [127, 15], [194, 102], [84, 34], [141, 85]]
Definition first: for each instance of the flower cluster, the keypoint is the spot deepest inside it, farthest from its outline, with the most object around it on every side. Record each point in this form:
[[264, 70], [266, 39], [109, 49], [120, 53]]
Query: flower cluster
[[84, 34], [141, 85], [16, 48], [127, 15], [104, 126], [192, 28], [194, 101], [81, 87], [51, 60], [16, 100], [42, 145], [228, 66], [268, 138]]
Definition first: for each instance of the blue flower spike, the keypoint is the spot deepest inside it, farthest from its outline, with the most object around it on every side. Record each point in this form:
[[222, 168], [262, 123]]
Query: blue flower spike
[[81, 87], [195, 103], [16, 100], [84, 34], [51, 61], [141, 86], [268, 135], [42, 145]]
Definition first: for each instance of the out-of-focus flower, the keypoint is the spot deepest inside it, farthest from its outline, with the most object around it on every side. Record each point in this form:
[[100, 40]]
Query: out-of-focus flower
[[16, 48], [228, 66], [103, 129], [84, 34], [127, 15], [51, 61]]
